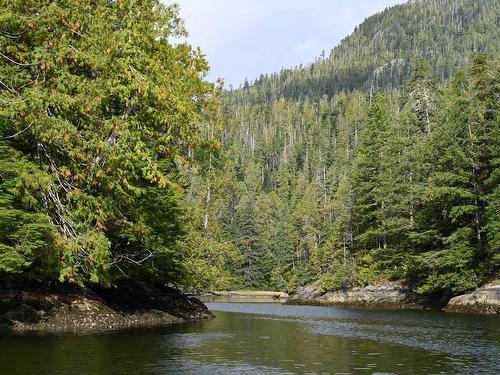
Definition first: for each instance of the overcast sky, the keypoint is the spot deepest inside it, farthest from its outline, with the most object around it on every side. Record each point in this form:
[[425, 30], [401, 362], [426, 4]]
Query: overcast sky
[[244, 38]]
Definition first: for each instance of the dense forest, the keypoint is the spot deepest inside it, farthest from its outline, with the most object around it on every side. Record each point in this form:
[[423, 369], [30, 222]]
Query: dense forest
[[99, 112], [377, 162]]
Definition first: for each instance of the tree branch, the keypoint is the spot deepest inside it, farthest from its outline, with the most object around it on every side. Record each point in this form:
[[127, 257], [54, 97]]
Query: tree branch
[[15, 62], [19, 132]]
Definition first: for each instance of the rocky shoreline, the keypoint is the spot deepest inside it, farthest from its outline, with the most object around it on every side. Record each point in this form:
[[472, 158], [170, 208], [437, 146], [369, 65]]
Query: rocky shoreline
[[485, 300], [386, 296], [59, 308]]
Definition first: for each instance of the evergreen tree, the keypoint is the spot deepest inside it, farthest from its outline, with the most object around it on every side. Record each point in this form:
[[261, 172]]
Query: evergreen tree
[[459, 189], [25, 233], [370, 205], [103, 109]]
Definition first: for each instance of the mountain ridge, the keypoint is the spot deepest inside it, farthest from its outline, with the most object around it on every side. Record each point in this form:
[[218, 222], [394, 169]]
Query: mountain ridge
[[379, 53]]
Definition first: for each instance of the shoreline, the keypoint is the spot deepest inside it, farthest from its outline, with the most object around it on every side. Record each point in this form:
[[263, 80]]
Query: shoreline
[[248, 293], [484, 300], [64, 308], [382, 296], [255, 296]]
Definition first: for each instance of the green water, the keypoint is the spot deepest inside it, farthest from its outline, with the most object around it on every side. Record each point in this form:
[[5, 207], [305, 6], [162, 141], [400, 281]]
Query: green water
[[267, 338]]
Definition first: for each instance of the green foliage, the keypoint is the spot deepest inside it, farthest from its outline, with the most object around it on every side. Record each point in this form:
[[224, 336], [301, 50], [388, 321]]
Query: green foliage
[[340, 277], [364, 155], [367, 271], [210, 259], [103, 112], [451, 268], [25, 233], [362, 188], [379, 162]]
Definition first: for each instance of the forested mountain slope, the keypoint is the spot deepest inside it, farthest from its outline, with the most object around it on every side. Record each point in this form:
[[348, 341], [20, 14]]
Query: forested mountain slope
[[377, 163], [380, 52]]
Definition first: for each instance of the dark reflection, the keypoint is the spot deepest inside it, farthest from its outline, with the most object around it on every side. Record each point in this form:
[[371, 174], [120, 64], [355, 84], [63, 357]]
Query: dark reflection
[[271, 339]]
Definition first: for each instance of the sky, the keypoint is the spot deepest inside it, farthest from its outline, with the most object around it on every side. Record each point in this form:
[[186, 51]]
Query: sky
[[245, 38]]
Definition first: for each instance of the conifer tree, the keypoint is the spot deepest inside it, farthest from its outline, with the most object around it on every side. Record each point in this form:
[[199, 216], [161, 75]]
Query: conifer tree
[[96, 96], [459, 190]]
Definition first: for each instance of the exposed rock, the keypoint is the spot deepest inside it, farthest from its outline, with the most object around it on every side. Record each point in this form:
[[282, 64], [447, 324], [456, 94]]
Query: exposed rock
[[485, 300], [389, 296], [23, 313], [256, 296], [252, 293], [57, 307]]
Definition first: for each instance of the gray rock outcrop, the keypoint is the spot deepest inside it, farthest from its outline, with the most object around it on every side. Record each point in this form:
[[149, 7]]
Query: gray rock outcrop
[[485, 300], [389, 295], [56, 307]]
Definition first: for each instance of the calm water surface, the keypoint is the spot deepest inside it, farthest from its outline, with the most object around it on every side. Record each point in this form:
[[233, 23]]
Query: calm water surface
[[270, 338]]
